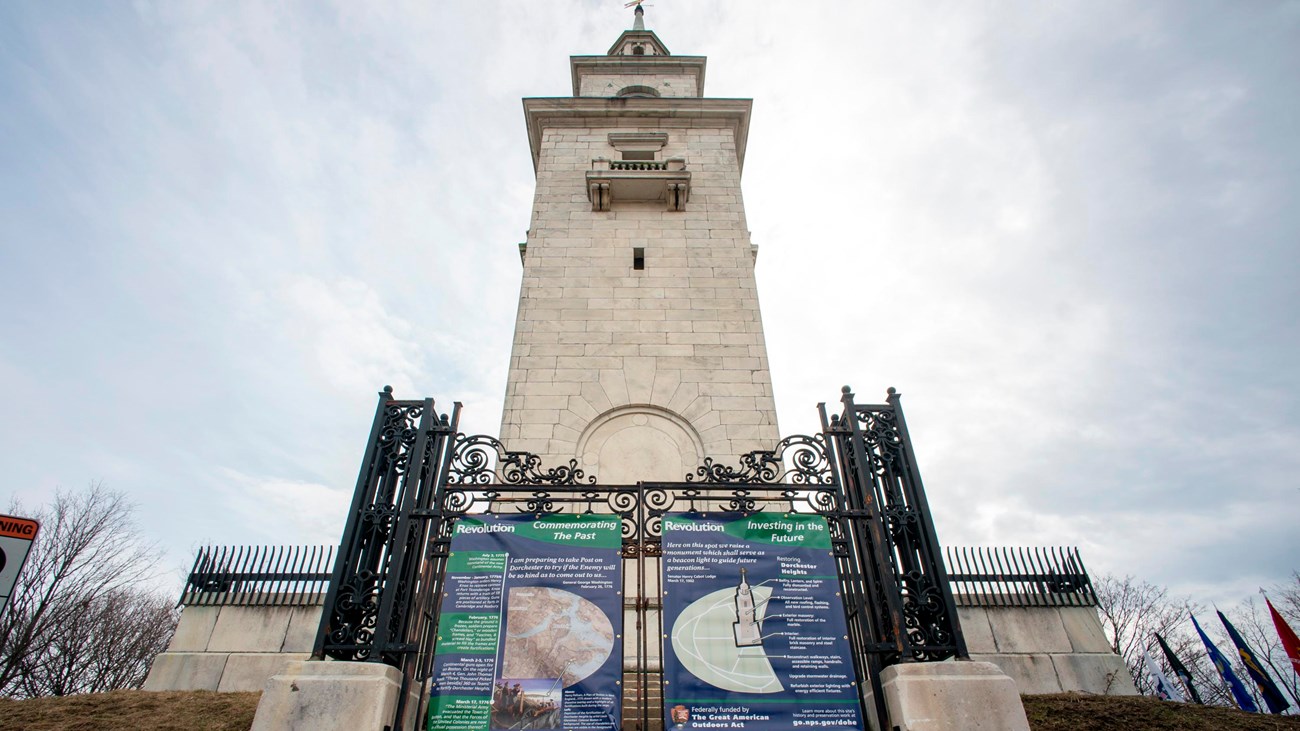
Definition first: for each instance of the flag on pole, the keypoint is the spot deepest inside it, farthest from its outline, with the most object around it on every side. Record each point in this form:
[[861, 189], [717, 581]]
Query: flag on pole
[[1272, 696], [1290, 642], [1239, 692], [1179, 669], [1164, 687]]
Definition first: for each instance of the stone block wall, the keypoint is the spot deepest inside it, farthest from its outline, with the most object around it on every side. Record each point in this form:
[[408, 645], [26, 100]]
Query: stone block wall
[[667, 84], [673, 353], [233, 648], [1046, 649]]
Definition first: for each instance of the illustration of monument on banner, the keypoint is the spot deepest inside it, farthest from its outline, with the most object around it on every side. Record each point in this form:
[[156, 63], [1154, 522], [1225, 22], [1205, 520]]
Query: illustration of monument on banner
[[747, 629]]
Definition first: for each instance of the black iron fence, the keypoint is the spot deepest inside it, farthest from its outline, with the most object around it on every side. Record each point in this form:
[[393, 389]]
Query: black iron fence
[[261, 576], [1019, 577], [420, 474], [298, 575]]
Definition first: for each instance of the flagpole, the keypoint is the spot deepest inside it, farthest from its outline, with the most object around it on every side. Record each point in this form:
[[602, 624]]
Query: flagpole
[[1235, 687], [1268, 690], [1179, 669], [1290, 642]]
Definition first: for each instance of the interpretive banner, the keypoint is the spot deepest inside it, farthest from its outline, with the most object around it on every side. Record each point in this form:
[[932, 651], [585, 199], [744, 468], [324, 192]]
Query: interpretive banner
[[530, 635], [756, 637]]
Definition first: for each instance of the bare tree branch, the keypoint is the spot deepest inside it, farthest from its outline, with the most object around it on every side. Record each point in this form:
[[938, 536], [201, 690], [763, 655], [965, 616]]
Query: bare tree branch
[[1133, 611], [1286, 597], [79, 620]]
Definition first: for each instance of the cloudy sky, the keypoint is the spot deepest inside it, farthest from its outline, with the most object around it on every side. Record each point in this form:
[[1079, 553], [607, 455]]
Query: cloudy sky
[[1066, 232]]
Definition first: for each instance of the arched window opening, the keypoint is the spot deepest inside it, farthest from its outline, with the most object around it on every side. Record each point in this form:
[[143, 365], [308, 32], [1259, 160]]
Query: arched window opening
[[634, 92]]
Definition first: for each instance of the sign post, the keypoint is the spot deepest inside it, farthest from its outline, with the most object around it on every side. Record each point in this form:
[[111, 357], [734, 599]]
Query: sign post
[[16, 536]]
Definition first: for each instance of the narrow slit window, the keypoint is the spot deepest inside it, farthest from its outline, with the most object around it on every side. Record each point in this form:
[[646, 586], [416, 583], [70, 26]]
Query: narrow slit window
[[638, 258]]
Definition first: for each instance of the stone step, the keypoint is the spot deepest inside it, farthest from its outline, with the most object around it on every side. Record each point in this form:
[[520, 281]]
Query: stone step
[[632, 703]]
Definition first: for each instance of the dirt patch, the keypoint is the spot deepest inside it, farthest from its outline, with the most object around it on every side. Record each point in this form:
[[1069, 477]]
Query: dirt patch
[[1075, 712], [131, 710]]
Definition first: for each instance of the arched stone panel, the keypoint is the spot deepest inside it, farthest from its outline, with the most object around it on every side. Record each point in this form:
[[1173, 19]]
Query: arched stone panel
[[639, 443]]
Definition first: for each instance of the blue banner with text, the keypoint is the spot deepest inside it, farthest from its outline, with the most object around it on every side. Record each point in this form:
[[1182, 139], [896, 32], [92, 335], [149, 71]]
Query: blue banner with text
[[530, 634], [755, 631]]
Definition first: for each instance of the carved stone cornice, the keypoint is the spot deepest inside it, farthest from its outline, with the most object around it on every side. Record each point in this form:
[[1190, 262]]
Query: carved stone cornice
[[541, 113]]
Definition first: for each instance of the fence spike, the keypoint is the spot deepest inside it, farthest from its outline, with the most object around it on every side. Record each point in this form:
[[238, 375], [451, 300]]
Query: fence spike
[[1021, 576], [248, 575]]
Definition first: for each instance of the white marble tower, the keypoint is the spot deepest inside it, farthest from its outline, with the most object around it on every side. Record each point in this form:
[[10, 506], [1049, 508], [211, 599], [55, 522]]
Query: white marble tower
[[638, 347]]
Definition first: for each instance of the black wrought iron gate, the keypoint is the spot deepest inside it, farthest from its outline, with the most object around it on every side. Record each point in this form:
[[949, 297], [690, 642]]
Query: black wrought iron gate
[[420, 475]]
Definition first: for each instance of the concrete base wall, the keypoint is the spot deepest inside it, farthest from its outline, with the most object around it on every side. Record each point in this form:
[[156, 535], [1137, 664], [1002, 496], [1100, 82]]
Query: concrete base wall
[[1046, 649], [233, 648], [1043, 649], [951, 696], [333, 696]]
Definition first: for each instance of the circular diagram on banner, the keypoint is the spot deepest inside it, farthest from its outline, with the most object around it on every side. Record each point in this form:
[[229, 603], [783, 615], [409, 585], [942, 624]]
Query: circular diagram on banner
[[553, 633], [704, 638]]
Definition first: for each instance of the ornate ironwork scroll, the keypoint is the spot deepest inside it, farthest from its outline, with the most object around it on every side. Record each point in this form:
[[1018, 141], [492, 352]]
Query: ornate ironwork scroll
[[483, 460], [910, 598], [798, 460], [380, 606]]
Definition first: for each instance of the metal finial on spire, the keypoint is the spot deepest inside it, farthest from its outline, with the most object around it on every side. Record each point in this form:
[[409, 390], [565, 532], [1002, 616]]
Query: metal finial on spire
[[639, 23]]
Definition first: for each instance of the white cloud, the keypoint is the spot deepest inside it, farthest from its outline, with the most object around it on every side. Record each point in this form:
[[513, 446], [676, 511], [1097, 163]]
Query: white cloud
[[355, 341], [270, 508]]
